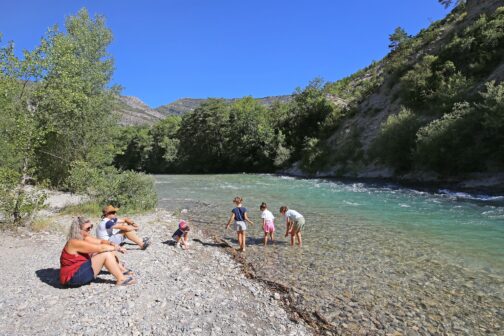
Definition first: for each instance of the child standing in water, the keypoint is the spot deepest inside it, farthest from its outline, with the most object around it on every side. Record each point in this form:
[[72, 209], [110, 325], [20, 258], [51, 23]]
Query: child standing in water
[[295, 223], [239, 216], [268, 224]]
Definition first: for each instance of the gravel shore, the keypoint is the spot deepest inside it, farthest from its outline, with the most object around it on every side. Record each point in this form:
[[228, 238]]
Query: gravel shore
[[200, 291]]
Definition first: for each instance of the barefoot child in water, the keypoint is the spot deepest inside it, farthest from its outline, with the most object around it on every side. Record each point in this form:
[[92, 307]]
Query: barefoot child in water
[[182, 235], [295, 223], [239, 216], [268, 224]]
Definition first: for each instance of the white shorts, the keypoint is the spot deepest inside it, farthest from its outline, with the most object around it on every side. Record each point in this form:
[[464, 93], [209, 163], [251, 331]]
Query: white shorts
[[117, 238], [240, 226]]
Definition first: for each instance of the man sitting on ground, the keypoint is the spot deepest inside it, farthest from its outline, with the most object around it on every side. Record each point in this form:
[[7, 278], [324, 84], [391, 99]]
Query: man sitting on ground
[[117, 230]]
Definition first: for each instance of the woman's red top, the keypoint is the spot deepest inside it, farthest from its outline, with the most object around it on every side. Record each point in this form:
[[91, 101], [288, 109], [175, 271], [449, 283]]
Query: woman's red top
[[70, 263]]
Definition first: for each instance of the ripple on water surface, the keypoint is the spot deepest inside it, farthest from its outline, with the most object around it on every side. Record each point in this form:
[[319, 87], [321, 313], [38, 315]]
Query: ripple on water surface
[[394, 256]]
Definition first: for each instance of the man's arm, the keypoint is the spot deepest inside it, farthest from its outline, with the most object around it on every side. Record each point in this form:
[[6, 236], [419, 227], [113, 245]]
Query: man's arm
[[128, 221]]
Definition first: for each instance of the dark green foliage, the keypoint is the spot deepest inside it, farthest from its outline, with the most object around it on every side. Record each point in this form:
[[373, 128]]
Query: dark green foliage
[[128, 190], [202, 136], [479, 48], [56, 105], [250, 144], [306, 115], [135, 145], [433, 86], [73, 99], [448, 3], [469, 138], [396, 140], [447, 145], [398, 38]]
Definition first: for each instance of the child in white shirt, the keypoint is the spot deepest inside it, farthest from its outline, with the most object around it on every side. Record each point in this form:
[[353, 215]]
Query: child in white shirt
[[268, 222]]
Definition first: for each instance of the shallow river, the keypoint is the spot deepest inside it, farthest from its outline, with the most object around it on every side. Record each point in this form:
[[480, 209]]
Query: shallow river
[[374, 256]]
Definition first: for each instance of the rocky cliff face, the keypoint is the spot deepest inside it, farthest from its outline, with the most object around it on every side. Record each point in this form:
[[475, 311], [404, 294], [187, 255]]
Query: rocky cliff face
[[133, 111], [185, 105], [374, 109]]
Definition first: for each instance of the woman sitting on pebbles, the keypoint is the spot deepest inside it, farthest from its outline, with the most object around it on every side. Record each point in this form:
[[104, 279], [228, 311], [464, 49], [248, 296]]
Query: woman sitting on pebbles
[[83, 257]]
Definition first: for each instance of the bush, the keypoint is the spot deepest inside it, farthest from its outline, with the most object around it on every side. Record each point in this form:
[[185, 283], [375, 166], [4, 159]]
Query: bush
[[396, 140], [447, 145], [127, 189], [18, 202]]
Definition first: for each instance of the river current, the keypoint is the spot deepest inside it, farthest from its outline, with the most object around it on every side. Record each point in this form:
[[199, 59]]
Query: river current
[[427, 262]]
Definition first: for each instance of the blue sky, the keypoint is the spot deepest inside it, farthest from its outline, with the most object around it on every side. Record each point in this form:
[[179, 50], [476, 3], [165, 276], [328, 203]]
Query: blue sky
[[166, 50]]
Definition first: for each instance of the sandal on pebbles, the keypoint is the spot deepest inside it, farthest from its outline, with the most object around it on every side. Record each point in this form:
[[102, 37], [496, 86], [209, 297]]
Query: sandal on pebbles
[[127, 282]]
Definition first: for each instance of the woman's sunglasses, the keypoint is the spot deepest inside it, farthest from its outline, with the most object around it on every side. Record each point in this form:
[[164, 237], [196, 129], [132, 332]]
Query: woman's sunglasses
[[89, 228]]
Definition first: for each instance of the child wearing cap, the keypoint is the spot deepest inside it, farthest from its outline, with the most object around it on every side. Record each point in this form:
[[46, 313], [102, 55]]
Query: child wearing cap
[[182, 235]]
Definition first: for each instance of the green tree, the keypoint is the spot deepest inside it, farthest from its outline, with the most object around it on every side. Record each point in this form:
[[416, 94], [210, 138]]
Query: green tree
[[398, 38], [447, 145], [20, 133], [250, 138], [448, 3], [73, 99], [164, 151], [305, 117], [395, 143], [202, 136], [134, 144]]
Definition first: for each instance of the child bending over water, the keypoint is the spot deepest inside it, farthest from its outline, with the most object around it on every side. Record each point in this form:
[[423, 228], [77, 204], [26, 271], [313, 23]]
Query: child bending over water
[[239, 216], [268, 224], [295, 223]]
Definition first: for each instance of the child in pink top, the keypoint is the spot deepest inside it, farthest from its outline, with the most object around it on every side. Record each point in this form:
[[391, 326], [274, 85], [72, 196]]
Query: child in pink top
[[268, 222], [182, 235]]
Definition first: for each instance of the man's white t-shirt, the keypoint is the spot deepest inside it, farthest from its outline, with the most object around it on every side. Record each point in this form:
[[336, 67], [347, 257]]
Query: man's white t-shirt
[[105, 230], [293, 215]]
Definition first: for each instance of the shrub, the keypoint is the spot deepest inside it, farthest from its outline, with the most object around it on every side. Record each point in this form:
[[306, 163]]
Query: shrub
[[126, 189], [447, 145], [18, 202], [396, 140]]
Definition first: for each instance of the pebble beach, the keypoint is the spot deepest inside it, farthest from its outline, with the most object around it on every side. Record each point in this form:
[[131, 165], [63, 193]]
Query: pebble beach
[[199, 291]]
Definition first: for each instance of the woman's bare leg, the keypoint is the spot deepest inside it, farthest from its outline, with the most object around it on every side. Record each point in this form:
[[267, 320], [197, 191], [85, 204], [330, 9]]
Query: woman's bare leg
[[265, 238], [108, 260], [292, 238]]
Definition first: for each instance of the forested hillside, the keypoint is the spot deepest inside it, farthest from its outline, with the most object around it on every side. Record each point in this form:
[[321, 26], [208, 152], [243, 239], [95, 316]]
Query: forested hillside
[[432, 107]]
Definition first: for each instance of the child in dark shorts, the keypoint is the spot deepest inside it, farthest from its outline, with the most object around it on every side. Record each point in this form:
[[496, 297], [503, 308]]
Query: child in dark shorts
[[181, 236]]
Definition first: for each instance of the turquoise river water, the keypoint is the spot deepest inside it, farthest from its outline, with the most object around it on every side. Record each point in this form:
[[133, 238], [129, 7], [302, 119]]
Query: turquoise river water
[[424, 262]]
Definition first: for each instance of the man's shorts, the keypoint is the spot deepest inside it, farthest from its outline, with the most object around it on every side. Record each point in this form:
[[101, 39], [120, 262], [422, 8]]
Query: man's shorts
[[117, 238], [298, 224]]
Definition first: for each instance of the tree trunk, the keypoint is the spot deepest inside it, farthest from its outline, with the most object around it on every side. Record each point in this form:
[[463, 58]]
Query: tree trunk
[[20, 189]]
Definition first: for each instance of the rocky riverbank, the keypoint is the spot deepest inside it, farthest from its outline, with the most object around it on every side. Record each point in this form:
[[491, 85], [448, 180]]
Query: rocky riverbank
[[200, 291]]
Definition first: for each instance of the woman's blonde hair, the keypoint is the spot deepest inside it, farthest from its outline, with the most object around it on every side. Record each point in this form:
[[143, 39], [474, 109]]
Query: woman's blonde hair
[[76, 227]]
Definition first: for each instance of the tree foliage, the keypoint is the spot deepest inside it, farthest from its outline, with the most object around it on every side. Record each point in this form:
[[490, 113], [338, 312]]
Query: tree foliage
[[56, 106]]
